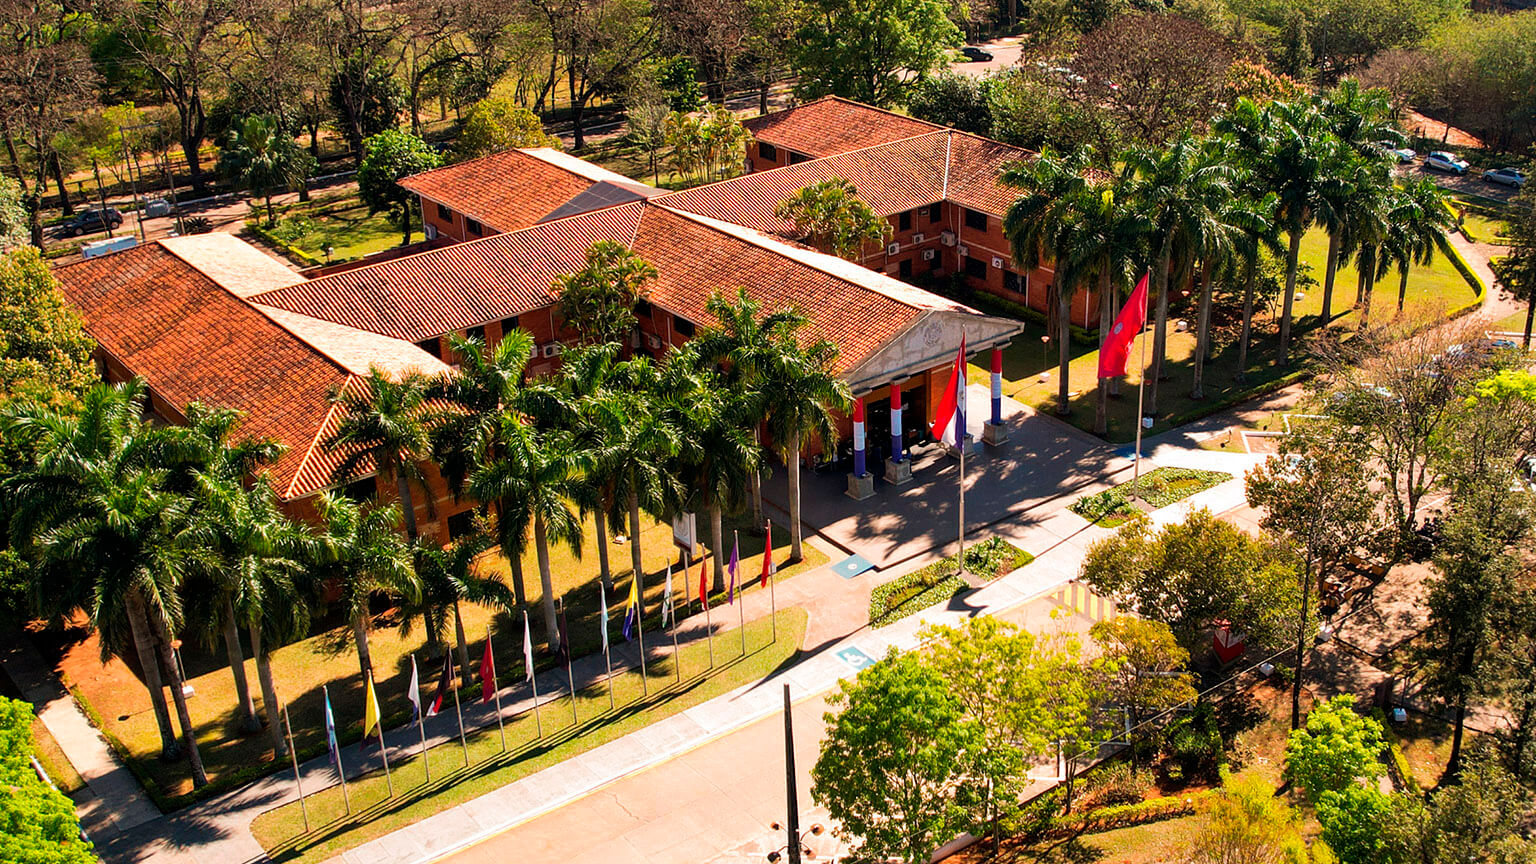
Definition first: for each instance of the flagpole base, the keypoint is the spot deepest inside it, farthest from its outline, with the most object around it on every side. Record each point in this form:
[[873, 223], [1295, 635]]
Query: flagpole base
[[898, 473], [860, 486], [994, 433], [973, 447]]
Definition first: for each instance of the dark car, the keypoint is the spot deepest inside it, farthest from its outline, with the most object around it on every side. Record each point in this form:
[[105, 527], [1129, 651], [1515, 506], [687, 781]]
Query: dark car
[[91, 221], [976, 55]]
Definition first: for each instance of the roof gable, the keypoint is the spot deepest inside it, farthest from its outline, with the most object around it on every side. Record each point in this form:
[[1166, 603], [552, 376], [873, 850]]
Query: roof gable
[[833, 125]]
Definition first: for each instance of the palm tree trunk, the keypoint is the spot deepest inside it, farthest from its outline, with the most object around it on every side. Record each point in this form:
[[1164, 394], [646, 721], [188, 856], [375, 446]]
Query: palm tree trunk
[[1365, 303], [547, 584], [600, 521], [1331, 269], [1292, 256], [1160, 328], [1250, 276], [757, 481], [1101, 405], [635, 560], [360, 638], [458, 635], [1402, 286], [268, 691], [1064, 349], [1203, 334], [407, 505], [144, 647], [717, 534], [189, 734], [248, 721], [792, 474], [519, 590]]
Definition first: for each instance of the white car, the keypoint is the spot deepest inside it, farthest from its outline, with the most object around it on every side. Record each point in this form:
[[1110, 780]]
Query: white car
[[1447, 162], [1505, 177], [1403, 155]]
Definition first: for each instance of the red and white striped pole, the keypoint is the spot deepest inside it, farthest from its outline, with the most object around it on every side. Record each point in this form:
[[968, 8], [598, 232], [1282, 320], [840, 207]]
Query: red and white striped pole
[[896, 428], [858, 438], [997, 386]]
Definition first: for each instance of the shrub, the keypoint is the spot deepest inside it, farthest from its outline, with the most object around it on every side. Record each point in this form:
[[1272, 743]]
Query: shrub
[[1102, 505], [39, 822], [928, 585], [292, 229], [1117, 783], [1336, 748], [1194, 742]]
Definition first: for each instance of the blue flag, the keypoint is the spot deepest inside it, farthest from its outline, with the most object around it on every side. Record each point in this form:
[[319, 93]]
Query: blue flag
[[330, 731], [632, 610]]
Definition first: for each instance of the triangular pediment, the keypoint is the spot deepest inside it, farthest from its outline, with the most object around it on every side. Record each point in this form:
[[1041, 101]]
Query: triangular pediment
[[930, 341]]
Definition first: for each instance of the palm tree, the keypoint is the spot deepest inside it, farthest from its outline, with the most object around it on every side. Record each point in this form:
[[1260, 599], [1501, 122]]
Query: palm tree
[[535, 476], [358, 551], [829, 216], [449, 577], [94, 511], [488, 381], [588, 408], [1182, 189], [385, 424], [1416, 224], [598, 301], [261, 158], [1037, 226], [1366, 232], [1216, 248]]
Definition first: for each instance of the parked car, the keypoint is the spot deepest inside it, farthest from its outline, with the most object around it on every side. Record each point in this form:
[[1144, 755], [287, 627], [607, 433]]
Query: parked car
[[976, 55], [1403, 155], [1447, 162], [157, 207], [91, 221], [1505, 177]]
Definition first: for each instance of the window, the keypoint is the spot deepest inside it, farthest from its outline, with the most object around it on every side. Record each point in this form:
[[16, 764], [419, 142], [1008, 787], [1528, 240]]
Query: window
[[975, 219], [904, 269], [476, 333], [904, 221], [460, 524], [935, 213], [476, 228], [975, 268], [1012, 282], [360, 490], [767, 151], [797, 158], [682, 326], [428, 345], [508, 325], [642, 308], [444, 213]]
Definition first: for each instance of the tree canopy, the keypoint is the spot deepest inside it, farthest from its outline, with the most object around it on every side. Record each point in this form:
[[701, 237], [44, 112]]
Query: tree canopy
[[871, 52], [389, 157], [37, 823]]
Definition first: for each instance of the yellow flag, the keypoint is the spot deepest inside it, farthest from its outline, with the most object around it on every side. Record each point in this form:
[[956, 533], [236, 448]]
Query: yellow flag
[[370, 710]]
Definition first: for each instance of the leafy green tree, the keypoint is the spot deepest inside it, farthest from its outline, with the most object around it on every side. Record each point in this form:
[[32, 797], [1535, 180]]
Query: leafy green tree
[[1337, 748], [952, 99], [1477, 820], [1518, 270], [870, 52], [260, 157], [707, 145], [37, 823], [1147, 670], [385, 425], [1031, 109], [1354, 822], [367, 100], [358, 550], [496, 124], [14, 227], [45, 355], [895, 758], [829, 215], [598, 301], [1191, 574], [678, 78], [389, 157], [1249, 824]]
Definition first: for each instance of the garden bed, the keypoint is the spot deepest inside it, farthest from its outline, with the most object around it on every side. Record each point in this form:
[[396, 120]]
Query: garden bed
[[1158, 488], [941, 580]]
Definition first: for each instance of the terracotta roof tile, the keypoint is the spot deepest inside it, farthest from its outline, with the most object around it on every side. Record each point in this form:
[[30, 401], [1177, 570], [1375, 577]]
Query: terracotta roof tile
[[514, 188], [833, 125]]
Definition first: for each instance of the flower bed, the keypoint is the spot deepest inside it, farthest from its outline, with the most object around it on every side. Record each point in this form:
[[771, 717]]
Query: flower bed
[[1159, 487], [940, 580]]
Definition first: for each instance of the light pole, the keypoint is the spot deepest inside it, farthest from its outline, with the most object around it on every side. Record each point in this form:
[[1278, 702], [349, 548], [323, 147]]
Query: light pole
[[796, 844]]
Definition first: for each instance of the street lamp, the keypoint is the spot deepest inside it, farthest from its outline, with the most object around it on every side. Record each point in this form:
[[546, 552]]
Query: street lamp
[[801, 848]]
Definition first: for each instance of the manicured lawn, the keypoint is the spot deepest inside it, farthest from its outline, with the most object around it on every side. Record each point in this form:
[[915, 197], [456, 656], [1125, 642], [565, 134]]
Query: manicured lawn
[[328, 658], [1484, 229], [348, 228], [937, 582], [280, 831], [1513, 323], [1432, 290]]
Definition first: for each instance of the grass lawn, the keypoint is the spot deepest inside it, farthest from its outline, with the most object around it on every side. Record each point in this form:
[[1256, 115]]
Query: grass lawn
[[913, 592], [348, 228], [1432, 290], [1159, 488], [327, 658], [1426, 743], [1485, 229], [280, 831], [45, 748], [1513, 323]]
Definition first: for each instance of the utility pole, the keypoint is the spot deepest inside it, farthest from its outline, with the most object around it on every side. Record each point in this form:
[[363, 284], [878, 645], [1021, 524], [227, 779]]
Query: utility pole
[[793, 822]]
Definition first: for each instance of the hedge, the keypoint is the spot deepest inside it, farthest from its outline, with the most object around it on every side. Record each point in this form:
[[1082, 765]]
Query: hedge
[[938, 581], [1140, 813], [294, 253], [1467, 273], [37, 822]]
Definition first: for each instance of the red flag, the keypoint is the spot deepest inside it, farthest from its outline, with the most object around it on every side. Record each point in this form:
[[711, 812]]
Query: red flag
[[1117, 345], [949, 419], [768, 568], [703, 585], [487, 673]]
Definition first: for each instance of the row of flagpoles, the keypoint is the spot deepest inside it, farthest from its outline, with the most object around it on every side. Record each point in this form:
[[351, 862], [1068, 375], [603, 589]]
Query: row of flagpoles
[[490, 692]]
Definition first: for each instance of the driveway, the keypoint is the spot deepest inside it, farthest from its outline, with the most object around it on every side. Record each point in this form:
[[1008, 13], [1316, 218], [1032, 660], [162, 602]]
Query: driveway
[[1005, 53]]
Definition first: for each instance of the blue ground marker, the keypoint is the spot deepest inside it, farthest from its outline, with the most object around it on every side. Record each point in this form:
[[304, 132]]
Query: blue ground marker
[[852, 566]]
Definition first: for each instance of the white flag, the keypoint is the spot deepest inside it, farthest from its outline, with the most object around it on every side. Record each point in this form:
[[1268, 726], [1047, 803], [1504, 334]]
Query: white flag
[[666, 600], [414, 693], [602, 598], [527, 647]]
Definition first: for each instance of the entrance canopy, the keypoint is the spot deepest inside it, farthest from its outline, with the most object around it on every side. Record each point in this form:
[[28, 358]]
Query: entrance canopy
[[928, 343]]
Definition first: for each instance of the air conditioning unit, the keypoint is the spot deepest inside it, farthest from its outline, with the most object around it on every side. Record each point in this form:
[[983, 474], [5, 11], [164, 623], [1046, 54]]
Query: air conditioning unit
[[892, 248], [947, 238], [653, 341], [997, 262], [634, 338], [533, 353], [928, 254], [553, 349], [918, 238], [964, 250], [431, 231]]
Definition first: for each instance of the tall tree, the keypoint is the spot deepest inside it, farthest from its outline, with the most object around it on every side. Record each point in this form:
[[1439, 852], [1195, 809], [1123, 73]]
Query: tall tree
[[384, 425], [449, 576], [389, 157], [260, 157], [1147, 670], [1416, 225], [829, 215], [358, 550], [46, 354], [602, 41], [1519, 271], [598, 301], [870, 52], [498, 124]]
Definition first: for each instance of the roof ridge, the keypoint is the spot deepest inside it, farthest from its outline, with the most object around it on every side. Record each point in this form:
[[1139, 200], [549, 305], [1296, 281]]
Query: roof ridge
[[949, 141], [314, 442], [833, 97]]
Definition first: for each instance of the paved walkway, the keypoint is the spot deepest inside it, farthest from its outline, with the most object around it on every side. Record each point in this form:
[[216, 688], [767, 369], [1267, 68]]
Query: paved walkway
[[112, 801]]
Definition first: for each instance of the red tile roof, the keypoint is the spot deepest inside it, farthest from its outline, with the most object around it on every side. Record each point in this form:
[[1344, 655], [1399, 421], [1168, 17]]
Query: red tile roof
[[195, 341], [514, 188], [833, 125]]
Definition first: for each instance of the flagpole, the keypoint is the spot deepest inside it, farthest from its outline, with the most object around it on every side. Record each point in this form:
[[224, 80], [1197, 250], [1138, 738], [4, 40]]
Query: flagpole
[[569, 672], [677, 657], [965, 439], [645, 687], [1146, 302], [459, 710], [741, 607], [341, 772], [421, 722], [773, 602], [303, 806], [533, 680], [379, 724], [709, 631], [495, 691]]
